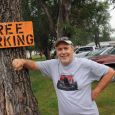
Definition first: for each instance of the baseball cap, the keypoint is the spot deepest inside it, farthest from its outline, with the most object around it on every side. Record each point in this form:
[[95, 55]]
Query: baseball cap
[[63, 40]]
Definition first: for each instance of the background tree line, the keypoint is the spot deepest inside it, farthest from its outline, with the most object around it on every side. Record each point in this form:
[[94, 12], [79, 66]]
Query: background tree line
[[83, 21]]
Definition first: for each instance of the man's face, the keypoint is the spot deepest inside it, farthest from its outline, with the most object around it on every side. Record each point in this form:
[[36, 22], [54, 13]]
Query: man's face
[[65, 53]]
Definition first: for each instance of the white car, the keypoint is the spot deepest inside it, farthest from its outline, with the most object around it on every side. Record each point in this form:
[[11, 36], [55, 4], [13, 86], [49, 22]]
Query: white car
[[82, 54], [85, 49]]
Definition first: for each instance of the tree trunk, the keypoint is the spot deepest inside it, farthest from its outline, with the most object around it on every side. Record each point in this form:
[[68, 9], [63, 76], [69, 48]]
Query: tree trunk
[[63, 16], [50, 19], [96, 38], [16, 96], [47, 53], [30, 52]]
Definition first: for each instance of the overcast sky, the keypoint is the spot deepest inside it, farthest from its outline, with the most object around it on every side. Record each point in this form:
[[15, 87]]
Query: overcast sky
[[112, 20]]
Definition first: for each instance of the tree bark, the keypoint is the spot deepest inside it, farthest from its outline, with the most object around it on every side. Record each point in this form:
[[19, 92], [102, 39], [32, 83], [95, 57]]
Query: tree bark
[[16, 96], [96, 37], [50, 19], [63, 16]]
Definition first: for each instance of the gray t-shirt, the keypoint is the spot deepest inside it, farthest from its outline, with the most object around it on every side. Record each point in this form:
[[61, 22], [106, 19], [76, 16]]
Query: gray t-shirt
[[73, 84]]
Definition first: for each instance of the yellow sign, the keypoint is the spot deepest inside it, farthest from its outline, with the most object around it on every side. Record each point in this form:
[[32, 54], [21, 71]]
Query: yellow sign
[[16, 34]]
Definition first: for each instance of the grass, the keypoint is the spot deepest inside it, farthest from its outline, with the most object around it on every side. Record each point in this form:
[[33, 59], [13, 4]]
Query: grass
[[47, 102], [45, 94], [106, 100]]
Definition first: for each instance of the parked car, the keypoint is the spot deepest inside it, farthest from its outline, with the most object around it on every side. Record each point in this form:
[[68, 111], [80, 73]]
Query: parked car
[[96, 52], [101, 51], [82, 54], [106, 57], [85, 49]]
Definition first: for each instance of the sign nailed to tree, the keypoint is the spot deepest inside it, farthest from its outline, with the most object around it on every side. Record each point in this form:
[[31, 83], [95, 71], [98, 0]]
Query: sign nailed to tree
[[16, 34]]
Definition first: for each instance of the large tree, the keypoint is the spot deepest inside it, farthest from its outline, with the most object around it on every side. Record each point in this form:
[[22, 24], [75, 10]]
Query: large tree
[[74, 17], [81, 20], [16, 96]]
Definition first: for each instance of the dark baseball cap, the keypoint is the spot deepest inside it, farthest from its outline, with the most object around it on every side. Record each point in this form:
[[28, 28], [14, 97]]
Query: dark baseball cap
[[63, 40]]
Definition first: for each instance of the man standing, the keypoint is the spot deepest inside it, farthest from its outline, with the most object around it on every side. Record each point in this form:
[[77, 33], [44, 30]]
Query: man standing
[[72, 78]]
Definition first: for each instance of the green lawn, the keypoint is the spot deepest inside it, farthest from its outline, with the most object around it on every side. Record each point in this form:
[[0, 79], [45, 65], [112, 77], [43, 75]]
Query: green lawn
[[45, 94], [47, 102]]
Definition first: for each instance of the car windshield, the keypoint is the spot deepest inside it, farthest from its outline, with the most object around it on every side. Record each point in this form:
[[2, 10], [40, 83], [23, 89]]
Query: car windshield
[[94, 53], [105, 50], [86, 49], [112, 51]]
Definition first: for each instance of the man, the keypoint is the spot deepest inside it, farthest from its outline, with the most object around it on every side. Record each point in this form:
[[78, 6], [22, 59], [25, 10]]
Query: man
[[72, 78]]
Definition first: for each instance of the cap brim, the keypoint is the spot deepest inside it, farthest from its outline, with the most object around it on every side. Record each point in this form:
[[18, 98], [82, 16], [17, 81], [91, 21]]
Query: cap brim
[[63, 41]]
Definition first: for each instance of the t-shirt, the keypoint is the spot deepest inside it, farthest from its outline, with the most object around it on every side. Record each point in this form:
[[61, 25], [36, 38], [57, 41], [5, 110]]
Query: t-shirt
[[73, 84]]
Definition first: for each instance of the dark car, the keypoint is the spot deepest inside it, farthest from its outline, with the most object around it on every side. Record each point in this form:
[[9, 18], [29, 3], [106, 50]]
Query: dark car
[[107, 58], [104, 59], [101, 51]]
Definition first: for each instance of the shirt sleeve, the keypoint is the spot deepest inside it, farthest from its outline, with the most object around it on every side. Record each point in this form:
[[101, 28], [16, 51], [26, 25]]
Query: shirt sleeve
[[44, 67], [98, 70]]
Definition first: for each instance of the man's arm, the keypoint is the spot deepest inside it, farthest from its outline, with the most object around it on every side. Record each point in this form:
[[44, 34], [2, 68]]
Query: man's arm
[[103, 83], [18, 64]]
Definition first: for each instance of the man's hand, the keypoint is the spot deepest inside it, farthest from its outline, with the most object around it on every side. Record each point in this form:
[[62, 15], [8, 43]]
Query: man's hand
[[18, 64], [106, 79], [94, 95]]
